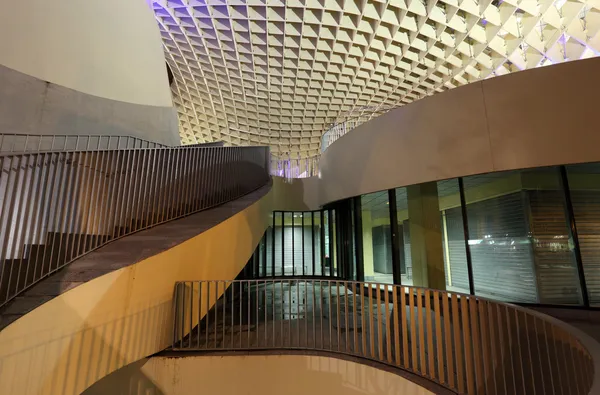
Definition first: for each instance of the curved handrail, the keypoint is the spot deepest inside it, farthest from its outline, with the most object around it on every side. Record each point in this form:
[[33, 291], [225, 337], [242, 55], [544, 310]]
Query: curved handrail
[[291, 167], [468, 344], [58, 206], [11, 143]]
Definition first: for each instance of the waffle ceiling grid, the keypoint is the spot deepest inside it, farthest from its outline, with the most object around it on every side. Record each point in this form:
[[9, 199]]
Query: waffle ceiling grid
[[279, 73]]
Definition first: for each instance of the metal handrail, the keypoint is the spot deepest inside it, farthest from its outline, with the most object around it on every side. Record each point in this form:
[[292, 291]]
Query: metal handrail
[[295, 167], [290, 167], [468, 344], [20, 143], [58, 206]]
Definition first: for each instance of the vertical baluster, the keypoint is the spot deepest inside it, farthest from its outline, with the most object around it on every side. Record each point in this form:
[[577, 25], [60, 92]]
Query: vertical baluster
[[152, 184], [173, 181], [549, 347], [371, 330], [405, 318], [379, 323], [142, 212], [207, 315], [257, 313], [191, 327], [421, 333], [249, 318], [388, 333], [517, 329], [320, 312], [14, 225], [458, 347], [438, 337], [100, 199], [39, 183], [397, 310], [233, 315], [467, 344], [354, 311], [69, 198], [55, 176], [200, 315], [273, 290], [6, 204], [28, 220], [125, 215], [338, 318], [216, 306]]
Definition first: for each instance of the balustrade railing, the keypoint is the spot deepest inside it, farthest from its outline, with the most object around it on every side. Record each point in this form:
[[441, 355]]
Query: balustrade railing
[[295, 168], [18, 143], [58, 206], [468, 344]]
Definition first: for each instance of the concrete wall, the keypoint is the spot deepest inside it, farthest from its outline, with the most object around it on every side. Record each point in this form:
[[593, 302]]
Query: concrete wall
[[298, 194], [254, 374], [85, 68], [534, 118], [72, 341], [110, 48]]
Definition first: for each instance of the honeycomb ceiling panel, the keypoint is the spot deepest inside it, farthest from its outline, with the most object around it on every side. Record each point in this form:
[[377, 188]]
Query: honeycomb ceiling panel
[[281, 73]]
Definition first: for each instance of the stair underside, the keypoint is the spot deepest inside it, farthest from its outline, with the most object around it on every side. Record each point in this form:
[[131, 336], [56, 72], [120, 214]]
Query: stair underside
[[123, 252]]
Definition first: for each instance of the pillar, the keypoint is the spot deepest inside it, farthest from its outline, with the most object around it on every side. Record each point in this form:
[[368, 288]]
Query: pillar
[[426, 236], [367, 235]]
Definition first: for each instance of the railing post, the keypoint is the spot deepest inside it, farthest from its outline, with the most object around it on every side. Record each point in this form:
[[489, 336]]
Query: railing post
[[573, 235], [465, 219]]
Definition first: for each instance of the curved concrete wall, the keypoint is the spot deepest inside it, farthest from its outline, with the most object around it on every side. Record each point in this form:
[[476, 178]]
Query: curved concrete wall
[[539, 117], [297, 194], [75, 339], [87, 68], [254, 374]]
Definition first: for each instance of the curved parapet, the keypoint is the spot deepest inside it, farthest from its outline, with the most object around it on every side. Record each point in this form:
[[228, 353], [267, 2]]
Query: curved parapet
[[78, 337], [465, 343], [534, 118], [85, 68], [257, 374]]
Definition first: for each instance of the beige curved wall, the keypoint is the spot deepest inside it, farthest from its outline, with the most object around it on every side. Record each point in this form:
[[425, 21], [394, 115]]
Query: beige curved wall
[[72, 341], [110, 48], [254, 374], [297, 194], [533, 118]]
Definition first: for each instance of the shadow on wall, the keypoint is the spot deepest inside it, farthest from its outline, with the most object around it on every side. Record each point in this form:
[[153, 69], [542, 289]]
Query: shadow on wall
[[130, 380], [72, 341], [255, 374]]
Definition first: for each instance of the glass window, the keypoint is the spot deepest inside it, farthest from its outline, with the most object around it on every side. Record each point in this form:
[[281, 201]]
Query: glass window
[[288, 248], [406, 273], [333, 249], [329, 249], [518, 237], [453, 236], [377, 237], [319, 221], [278, 243], [269, 246], [584, 184]]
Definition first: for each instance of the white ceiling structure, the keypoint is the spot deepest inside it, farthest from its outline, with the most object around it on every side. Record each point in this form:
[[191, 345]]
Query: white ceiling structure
[[279, 73]]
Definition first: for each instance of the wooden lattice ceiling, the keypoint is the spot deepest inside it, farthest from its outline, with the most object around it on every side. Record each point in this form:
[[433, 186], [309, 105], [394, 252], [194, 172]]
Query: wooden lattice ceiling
[[278, 73]]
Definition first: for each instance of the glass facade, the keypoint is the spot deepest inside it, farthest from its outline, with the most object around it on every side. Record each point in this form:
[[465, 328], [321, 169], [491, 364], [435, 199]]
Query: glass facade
[[295, 244], [528, 236]]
